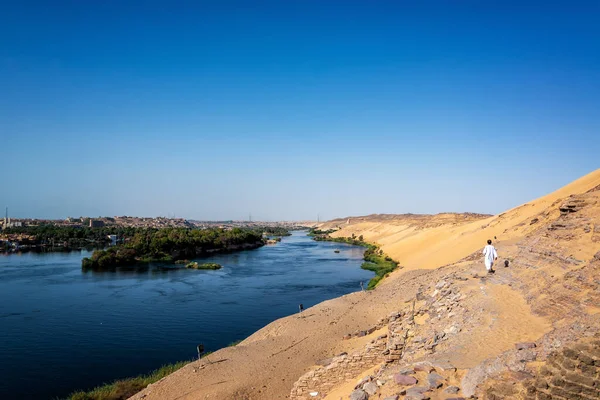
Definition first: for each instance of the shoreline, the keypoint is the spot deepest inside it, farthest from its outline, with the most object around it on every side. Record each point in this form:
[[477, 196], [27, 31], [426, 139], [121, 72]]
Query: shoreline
[[132, 383], [375, 259]]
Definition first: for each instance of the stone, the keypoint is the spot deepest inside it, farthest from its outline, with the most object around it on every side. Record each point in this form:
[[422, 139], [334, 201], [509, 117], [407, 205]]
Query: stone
[[440, 284], [443, 366], [435, 380], [362, 382], [359, 395], [453, 330], [395, 397], [525, 345], [423, 366], [452, 389], [526, 355], [325, 362], [407, 371], [361, 333], [417, 393], [405, 379], [420, 396], [371, 388]]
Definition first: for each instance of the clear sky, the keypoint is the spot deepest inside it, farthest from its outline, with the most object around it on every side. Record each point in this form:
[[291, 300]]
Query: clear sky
[[289, 109]]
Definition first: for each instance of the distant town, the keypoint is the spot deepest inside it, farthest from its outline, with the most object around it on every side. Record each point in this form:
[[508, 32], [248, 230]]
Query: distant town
[[147, 222], [73, 233]]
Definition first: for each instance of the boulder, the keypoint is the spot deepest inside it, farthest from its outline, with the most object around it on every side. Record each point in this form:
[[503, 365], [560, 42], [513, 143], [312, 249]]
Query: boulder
[[435, 380], [423, 366], [417, 393], [525, 345], [359, 395], [407, 371], [405, 379], [371, 388], [452, 389], [571, 206]]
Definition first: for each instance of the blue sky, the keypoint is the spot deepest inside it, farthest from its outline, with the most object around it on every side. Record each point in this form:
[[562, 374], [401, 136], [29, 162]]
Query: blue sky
[[289, 109]]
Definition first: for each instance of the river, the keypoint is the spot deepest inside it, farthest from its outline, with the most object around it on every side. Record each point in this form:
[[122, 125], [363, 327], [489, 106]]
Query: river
[[62, 329]]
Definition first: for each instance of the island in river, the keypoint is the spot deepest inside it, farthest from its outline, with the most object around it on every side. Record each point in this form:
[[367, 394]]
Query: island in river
[[173, 244]]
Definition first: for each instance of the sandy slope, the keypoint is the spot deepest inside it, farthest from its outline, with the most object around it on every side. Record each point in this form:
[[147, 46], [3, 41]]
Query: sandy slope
[[406, 240], [497, 312]]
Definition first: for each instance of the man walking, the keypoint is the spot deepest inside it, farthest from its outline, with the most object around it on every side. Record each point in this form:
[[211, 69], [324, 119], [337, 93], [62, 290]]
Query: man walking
[[490, 255]]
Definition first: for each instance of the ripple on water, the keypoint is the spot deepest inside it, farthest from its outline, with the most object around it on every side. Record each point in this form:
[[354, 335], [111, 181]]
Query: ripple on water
[[99, 326]]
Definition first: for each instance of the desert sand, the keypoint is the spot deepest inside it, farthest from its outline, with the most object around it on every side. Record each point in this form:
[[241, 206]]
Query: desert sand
[[440, 307]]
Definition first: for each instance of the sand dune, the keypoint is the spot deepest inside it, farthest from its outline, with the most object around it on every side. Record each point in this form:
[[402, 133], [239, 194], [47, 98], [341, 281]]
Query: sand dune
[[432, 241], [549, 295]]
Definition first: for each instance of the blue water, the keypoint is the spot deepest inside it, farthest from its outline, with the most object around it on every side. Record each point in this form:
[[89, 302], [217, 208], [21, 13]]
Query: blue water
[[62, 329]]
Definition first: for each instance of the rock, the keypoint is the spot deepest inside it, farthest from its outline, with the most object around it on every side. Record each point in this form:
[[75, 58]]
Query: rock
[[440, 284], [371, 388], [526, 355], [314, 394], [453, 330], [525, 345], [407, 371], [423, 366], [443, 366], [455, 398], [395, 397], [571, 206], [405, 379], [420, 396], [417, 393], [435, 380], [416, 389], [359, 395], [361, 333], [452, 389], [363, 381], [325, 362]]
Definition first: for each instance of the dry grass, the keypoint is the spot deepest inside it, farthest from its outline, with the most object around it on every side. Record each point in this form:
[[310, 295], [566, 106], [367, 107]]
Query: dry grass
[[125, 388]]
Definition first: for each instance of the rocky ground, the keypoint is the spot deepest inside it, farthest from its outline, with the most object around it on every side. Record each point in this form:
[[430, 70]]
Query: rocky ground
[[440, 327]]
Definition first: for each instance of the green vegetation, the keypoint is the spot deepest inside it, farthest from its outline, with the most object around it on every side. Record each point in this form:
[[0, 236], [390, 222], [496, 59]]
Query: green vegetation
[[172, 244], [276, 231], [375, 259], [54, 237], [378, 262], [125, 388], [195, 265], [317, 233]]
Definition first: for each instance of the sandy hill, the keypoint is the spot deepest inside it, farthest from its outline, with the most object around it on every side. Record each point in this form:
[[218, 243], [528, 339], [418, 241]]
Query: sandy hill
[[439, 327]]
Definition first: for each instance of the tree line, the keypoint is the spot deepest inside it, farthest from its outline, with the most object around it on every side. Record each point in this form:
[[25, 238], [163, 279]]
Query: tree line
[[172, 244]]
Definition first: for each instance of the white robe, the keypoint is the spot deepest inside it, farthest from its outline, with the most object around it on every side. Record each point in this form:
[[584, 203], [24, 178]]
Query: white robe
[[490, 254]]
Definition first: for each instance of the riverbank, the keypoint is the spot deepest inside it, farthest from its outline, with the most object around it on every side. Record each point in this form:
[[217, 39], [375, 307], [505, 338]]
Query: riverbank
[[125, 388], [375, 259], [440, 308], [101, 326]]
